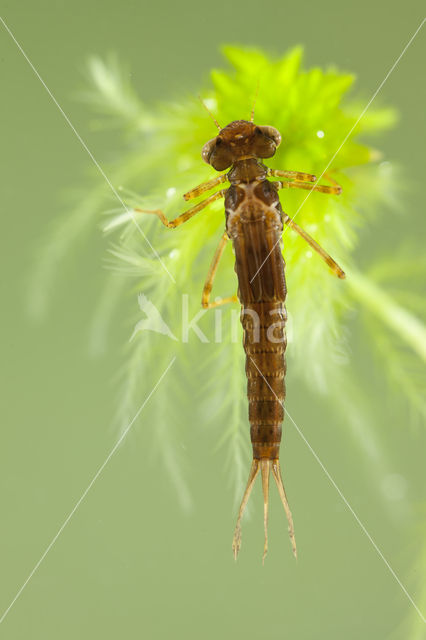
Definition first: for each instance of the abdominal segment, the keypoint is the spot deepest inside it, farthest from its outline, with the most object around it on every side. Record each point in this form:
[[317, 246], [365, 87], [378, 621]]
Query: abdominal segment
[[264, 345]]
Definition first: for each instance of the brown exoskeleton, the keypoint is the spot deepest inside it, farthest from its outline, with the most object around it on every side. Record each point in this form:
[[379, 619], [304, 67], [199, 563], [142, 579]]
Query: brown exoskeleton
[[254, 223]]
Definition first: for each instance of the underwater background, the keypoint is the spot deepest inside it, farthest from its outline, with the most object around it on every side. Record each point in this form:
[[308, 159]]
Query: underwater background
[[147, 552]]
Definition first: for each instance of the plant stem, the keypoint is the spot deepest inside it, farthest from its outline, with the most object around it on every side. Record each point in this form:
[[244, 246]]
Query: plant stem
[[407, 326]]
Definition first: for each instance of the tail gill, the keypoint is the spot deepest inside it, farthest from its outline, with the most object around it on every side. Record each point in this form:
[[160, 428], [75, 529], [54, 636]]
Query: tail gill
[[265, 466]]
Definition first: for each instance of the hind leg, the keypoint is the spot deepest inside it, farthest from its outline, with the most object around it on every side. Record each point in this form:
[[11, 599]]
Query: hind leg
[[208, 285], [338, 271]]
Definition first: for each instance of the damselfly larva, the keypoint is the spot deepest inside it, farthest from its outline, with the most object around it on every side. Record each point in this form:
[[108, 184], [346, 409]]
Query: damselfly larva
[[254, 223]]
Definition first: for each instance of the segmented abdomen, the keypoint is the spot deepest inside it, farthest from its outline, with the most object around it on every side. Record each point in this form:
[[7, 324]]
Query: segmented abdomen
[[259, 265], [265, 370]]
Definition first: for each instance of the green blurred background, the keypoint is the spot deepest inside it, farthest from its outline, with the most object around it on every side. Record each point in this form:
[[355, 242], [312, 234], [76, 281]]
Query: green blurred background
[[131, 563]]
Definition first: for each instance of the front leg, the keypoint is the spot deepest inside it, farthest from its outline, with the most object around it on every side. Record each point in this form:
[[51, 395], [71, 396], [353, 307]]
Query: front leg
[[292, 175], [205, 186]]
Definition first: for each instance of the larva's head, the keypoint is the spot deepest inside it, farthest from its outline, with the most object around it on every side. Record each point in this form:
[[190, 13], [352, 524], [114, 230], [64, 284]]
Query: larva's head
[[240, 140]]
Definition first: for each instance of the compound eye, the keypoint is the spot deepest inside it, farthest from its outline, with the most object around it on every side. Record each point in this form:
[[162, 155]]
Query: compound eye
[[207, 150], [272, 133]]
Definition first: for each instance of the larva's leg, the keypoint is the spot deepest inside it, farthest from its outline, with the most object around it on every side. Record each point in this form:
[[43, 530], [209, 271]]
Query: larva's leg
[[220, 302], [328, 177], [205, 186], [324, 255], [187, 215], [336, 190], [205, 300], [292, 175]]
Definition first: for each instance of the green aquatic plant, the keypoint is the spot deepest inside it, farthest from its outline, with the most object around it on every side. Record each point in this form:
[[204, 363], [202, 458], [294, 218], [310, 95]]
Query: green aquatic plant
[[159, 161]]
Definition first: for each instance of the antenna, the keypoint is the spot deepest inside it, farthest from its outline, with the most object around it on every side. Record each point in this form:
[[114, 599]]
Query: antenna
[[209, 112], [254, 102]]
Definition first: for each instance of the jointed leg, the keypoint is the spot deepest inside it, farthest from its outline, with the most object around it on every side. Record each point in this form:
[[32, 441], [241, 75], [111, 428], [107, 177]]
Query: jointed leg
[[205, 300], [336, 190], [171, 224], [327, 176], [292, 175], [324, 255], [205, 186], [219, 303], [296, 177]]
